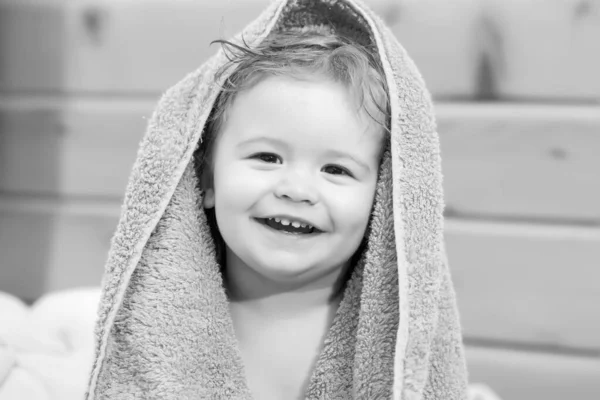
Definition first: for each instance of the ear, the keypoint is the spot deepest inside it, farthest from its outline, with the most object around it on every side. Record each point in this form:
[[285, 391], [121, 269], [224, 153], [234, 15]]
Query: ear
[[209, 198], [206, 184]]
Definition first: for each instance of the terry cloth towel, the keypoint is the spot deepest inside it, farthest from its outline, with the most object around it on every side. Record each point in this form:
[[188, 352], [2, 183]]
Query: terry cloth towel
[[164, 330]]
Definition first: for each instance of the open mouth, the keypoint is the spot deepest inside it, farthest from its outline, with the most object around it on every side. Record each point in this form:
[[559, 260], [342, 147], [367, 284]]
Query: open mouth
[[285, 226]]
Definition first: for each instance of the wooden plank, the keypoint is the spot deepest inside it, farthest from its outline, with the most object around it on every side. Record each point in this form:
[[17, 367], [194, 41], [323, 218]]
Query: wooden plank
[[31, 45], [522, 283], [49, 245], [545, 49], [521, 161], [499, 49], [440, 38], [115, 46], [499, 161], [515, 283], [109, 46], [104, 45], [521, 375], [469, 49], [70, 146]]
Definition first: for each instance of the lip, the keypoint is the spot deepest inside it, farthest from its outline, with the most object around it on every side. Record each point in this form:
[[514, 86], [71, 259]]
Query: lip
[[292, 218]]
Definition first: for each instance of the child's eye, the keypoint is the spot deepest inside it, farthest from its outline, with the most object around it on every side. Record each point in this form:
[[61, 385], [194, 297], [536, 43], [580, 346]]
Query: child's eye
[[337, 170], [267, 157]]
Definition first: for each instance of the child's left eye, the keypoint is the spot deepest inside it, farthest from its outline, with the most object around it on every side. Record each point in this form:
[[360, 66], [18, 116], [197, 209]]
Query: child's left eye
[[337, 170], [266, 157]]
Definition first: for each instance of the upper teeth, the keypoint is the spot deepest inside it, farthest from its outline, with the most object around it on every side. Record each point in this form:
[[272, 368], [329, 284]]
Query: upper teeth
[[295, 224]]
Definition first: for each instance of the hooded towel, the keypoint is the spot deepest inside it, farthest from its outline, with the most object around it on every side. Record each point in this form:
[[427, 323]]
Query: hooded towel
[[164, 330]]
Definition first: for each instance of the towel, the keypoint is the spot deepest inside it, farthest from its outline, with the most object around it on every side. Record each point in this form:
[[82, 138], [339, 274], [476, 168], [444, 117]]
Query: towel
[[164, 330]]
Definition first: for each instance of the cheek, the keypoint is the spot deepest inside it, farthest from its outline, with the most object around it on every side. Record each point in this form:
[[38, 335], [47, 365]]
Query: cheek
[[352, 208], [235, 186]]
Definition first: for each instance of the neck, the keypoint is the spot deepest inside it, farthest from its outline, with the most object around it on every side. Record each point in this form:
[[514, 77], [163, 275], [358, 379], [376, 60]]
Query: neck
[[263, 296]]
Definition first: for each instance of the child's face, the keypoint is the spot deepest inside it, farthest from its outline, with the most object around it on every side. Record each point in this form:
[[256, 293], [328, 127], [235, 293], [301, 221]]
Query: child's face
[[284, 151]]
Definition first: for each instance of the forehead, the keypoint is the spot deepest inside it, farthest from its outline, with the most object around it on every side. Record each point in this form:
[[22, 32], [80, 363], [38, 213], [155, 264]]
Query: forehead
[[311, 109]]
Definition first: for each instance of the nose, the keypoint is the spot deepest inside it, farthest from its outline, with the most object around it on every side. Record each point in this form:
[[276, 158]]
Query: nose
[[297, 187]]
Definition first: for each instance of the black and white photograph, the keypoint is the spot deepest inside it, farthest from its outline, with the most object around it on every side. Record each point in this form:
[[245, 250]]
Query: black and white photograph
[[299, 200]]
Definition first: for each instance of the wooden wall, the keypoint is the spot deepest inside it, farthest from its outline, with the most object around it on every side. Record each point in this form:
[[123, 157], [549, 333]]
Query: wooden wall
[[517, 92]]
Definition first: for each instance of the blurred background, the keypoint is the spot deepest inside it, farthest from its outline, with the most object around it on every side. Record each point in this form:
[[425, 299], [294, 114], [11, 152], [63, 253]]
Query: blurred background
[[516, 85]]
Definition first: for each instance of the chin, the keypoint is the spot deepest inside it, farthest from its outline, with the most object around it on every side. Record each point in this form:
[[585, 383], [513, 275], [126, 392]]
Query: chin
[[293, 273], [285, 274]]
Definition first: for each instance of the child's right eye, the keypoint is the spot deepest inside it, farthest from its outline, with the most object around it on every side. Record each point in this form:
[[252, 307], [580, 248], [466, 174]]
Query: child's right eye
[[266, 157]]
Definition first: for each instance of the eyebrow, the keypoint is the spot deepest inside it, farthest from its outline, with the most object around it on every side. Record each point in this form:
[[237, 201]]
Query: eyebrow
[[281, 143], [262, 139], [341, 154]]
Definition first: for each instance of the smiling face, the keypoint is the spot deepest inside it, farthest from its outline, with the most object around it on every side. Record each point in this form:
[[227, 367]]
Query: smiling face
[[295, 149]]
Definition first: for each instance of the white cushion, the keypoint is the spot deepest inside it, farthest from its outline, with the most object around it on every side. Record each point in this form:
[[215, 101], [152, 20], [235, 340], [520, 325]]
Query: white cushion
[[69, 316], [46, 350], [21, 332]]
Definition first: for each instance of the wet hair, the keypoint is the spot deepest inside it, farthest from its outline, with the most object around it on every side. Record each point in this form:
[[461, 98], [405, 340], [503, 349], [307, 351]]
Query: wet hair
[[303, 55]]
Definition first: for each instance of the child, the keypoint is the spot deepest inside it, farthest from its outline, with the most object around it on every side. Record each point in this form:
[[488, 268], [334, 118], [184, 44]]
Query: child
[[282, 231]]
